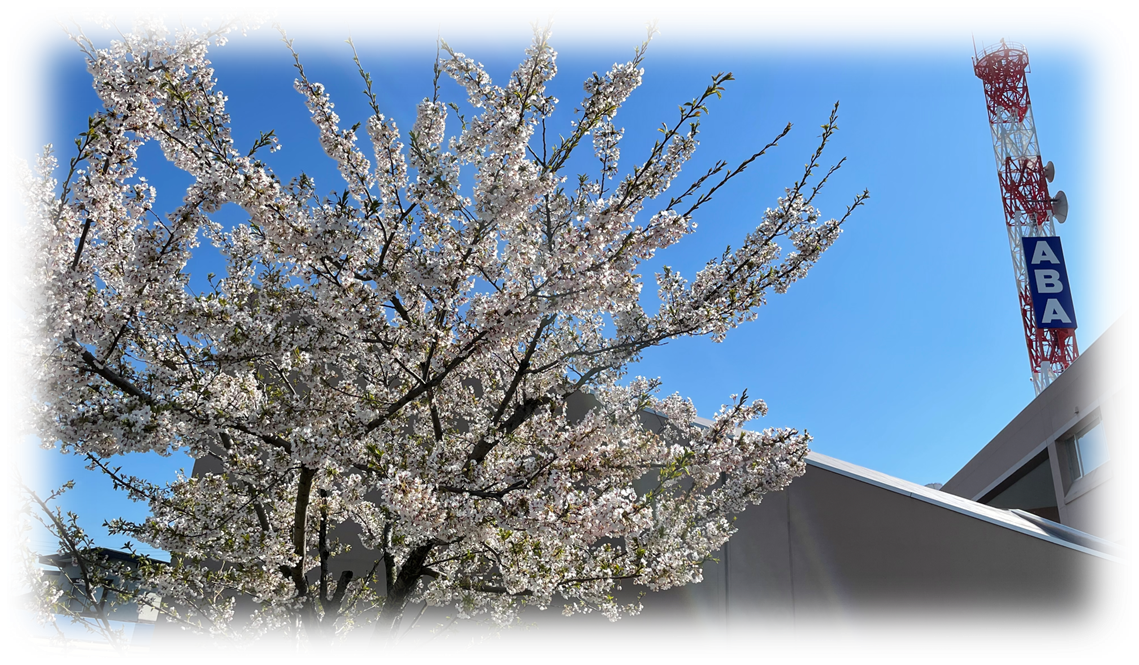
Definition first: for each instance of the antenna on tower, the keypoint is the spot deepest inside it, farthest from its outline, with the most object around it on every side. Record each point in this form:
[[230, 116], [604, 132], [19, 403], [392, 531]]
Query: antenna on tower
[[1029, 209], [1060, 206]]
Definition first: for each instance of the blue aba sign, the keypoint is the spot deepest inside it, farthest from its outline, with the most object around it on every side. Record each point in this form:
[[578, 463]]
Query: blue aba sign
[[1048, 283]]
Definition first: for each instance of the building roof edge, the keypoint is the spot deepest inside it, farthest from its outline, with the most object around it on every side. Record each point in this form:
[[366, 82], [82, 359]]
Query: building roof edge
[[1078, 541]]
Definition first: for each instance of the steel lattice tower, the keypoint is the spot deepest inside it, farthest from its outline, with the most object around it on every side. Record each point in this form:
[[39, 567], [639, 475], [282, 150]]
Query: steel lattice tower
[[1024, 193]]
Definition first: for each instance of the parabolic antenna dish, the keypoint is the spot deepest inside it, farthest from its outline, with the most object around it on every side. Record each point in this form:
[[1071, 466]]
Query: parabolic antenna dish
[[1060, 206]]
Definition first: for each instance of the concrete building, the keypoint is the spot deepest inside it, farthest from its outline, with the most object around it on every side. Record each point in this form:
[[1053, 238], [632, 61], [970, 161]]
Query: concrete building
[[1055, 458]]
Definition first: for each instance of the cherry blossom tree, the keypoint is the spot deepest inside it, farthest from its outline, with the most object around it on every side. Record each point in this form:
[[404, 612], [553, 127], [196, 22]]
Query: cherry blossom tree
[[389, 374]]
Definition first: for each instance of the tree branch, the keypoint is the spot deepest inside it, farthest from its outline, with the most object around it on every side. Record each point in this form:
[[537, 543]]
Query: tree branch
[[523, 365], [417, 391], [79, 555]]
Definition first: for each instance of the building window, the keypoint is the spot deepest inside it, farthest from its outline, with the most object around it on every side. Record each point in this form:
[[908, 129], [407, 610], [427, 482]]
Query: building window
[[1087, 450]]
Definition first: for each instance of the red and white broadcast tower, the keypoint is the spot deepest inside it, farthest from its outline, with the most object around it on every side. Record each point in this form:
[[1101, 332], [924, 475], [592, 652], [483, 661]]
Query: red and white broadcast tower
[[1029, 210]]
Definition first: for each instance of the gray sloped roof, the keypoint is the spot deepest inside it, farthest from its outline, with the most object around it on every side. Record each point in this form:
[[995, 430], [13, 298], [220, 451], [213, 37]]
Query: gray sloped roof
[[63, 559], [1016, 520]]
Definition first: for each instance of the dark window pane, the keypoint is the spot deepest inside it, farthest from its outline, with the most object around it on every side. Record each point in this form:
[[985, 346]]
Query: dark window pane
[[1093, 448]]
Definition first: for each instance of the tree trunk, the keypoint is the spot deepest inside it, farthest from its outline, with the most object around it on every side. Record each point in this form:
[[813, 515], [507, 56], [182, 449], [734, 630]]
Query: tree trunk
[[386, 630], [310, 622]]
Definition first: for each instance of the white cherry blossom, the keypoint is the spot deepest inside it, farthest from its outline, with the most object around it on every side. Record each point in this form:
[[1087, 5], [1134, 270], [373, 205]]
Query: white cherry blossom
[[439, 370]]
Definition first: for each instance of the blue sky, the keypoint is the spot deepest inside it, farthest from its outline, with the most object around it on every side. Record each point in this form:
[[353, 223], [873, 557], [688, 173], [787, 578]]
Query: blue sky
[[902, 351]]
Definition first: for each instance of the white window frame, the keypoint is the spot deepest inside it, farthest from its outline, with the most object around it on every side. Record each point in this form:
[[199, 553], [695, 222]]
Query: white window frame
[[1076, 469]]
